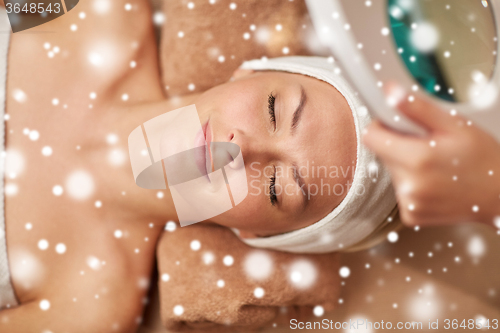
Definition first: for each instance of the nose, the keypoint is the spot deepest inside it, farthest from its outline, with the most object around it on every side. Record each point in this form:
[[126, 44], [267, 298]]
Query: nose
[[255, 148]]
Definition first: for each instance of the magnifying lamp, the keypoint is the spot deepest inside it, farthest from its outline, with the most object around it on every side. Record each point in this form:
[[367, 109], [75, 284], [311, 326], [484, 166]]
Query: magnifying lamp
[[447, 50]]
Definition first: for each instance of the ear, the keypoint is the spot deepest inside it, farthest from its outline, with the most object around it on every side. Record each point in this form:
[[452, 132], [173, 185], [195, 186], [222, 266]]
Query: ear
[[240, 72]]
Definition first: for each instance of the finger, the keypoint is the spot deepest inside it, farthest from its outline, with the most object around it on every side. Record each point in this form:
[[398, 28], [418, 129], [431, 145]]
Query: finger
[[390, 145], [420, 110]]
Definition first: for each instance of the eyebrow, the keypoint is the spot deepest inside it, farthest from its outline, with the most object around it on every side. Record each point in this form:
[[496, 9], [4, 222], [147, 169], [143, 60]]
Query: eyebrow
[[300, 183], [297, 115]]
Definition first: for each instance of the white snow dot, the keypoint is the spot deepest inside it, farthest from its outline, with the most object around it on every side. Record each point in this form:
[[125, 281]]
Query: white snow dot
[[392, 236], [258, 292], [125, 97], [377, 66], [190, 5], [475, 208], [432, 143], [95, 59], [258, 265], [101, 6], [165, 277], [46, 46], [11, 189], [94, 263], [112, 138], [82, 15], [80, 185], [368, 3], [476, 246], [46, 151], [302, 273], [232, 6], [44, 305], [344, 272], [19, 95], [92, 95], [43, 244], [73, 27], [60, 248], [411, 207], [246, 35], [158, 18], [191, 86], [55, 101], [128, 7], [28, 226], [118, 234], [228, 260], [318, 311], [425, 37], [385, 31], [221, 58], [170, 226], [133, 64], [34, 135], [178, 310], [195, 245], [57, 190], [160, 194], [278, 27], [285, 50], [117, 157], [180, 34], [208, 258], [447, 54], [221, 283], [496, 221]]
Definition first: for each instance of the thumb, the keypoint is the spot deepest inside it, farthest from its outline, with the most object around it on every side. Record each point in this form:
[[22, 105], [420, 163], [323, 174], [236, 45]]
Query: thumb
[[422, 111]]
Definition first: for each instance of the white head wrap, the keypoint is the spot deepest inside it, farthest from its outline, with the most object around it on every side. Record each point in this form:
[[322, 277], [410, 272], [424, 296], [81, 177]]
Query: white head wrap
[[371, 197]]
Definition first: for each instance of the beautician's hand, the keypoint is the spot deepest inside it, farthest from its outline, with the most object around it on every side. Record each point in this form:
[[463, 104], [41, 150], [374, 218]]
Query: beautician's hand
[[452, 175]]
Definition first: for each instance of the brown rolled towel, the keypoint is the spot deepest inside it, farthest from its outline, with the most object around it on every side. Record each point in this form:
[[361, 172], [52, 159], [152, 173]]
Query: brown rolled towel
[[203, 42], [210, 281]]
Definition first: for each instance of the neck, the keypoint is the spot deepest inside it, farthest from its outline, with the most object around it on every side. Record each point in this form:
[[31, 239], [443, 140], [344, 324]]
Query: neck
[[139, 203]]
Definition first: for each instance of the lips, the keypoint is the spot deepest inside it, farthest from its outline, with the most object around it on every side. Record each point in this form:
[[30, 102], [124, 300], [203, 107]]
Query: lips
[[203, 154]]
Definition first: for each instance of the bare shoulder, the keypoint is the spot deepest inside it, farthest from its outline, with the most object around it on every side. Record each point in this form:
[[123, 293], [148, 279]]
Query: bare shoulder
[[98, 47]]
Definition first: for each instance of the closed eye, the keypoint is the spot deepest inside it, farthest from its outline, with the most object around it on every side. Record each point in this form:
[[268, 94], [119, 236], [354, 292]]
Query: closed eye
[[273, 198], [270, 106]]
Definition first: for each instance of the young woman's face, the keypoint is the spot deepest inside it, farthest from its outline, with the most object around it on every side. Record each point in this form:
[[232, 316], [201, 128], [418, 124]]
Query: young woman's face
[[298, 141]]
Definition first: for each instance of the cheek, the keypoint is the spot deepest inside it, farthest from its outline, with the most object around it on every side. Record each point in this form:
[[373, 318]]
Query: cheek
[[251, 212]]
